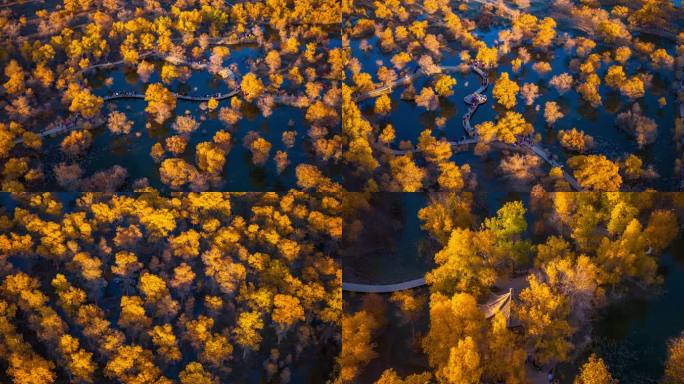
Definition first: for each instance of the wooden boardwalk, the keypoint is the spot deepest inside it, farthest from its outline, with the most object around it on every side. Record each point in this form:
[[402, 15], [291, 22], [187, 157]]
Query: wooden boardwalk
[[388, 88], [133, 95], [542, 153], [474, 100], [383, 288], [61, 128], [399, 152], [65, 127], [171, 59]]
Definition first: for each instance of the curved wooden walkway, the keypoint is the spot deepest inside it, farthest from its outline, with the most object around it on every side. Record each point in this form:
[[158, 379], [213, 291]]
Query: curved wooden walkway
[[60, 128], [133, 95], [171, 59], [383, 288], [387, 88], [399, 152], [474, 100], [65, 127], [543, 154], [490, 308]]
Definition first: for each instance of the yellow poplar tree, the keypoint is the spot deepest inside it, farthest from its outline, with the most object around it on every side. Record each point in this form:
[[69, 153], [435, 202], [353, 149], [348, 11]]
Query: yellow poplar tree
[[505, 91]]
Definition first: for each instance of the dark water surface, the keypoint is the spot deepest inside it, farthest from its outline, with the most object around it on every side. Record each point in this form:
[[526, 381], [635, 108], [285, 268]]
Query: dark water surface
[[632, 335], [410, 120], [312, 365]]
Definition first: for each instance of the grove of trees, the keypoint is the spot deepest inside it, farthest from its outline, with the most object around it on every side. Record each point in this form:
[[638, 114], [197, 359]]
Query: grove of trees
[[187, 288], [565, 256]]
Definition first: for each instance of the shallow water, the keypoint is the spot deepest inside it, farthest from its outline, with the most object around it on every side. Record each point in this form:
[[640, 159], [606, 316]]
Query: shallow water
[[132, 151], [410, 120]]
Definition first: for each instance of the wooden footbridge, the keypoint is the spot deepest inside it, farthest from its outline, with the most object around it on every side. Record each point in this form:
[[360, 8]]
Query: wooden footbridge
[[473, 100], [492, 307], [383, 288], [134, 95], [172, 59]]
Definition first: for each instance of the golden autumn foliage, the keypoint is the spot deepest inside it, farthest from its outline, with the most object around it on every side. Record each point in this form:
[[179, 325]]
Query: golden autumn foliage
[[176, 172], [160, 102], [552, 112], [633, 88], [434, 150], [406, 174], [575, 140], [247, 331], [427, 99], [260, 149], [383, 105], [444, 85], [451, 176], [506, 129], [76, 143], [286, 311], [357, 345], [606, 245], [451, 321], [389, 376], [589, 90], [459, 265], [615, 76], [543, 313], [505, 91], [562, 83], [464, 365], [622, 54], [488, 56], [212, 104], [15, 78], [118, 123], [596, 172], [546, 32], [594, 371], [66, 46], [195, 373], [210, 157], [85, 103]]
